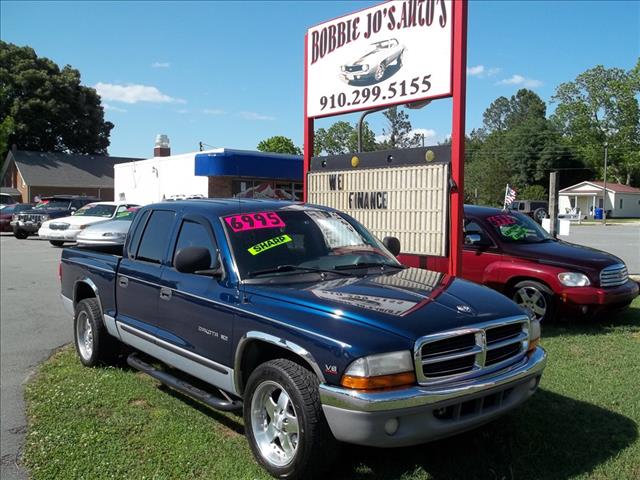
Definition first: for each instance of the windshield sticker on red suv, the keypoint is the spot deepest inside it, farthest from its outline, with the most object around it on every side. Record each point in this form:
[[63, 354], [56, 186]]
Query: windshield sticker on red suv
[[515, 232], [269, 244], [500, 220], [252, 221]]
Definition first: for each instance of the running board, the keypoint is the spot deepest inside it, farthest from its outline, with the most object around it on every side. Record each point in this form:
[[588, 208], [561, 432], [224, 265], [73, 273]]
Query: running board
[[184, 387]]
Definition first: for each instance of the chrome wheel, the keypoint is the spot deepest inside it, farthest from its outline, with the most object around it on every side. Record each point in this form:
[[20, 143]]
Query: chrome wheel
[[532, 299], [84, 335], [379, 72], [274, 423]]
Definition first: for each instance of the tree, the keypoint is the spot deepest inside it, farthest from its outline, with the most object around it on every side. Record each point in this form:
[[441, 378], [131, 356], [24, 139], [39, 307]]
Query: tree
[[6, 129], [342, 137], [533, 192], [601, 106], [279, 144], [398, 132], [504, 114], [51, 110]]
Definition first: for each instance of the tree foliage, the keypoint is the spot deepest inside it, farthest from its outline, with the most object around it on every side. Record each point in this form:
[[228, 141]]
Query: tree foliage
[[601, 106], [398, 133], [279, 144], [51, 110], [342, 137]]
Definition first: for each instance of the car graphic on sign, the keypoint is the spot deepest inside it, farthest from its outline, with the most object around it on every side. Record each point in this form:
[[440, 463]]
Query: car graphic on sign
[[373, 65]]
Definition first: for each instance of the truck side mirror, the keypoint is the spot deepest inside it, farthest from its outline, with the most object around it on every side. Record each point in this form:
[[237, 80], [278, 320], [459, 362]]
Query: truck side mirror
[[392, 244], [472, 239], [192, 259]]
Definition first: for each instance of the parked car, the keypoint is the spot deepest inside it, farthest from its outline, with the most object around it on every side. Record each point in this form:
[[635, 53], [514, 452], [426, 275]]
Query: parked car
[[7, 199], [66, 229], [110, 233], [28, 222], [7, 214], [373, 64], [536, 209], [298, 315], [511, 253]]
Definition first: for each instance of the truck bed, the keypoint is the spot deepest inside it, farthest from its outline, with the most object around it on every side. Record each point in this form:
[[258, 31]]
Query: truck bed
[[94, 267]]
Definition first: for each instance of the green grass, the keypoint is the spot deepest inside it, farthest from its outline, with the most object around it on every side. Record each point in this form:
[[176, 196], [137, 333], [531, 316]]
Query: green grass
[[115, 423]]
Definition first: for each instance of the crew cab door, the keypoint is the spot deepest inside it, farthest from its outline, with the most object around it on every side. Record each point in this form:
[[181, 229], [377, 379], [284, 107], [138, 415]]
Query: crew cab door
[[477, 257], [195, 311], [140, 272]]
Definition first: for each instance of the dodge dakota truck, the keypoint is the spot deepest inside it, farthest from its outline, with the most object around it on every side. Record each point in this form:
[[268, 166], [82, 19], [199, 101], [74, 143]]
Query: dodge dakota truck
[[298, 315]]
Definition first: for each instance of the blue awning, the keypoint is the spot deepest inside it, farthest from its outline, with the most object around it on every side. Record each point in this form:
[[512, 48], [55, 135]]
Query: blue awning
[[244, 163]]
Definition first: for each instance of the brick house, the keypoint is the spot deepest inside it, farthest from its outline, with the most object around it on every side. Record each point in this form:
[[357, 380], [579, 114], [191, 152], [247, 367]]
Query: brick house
[[52, 173]]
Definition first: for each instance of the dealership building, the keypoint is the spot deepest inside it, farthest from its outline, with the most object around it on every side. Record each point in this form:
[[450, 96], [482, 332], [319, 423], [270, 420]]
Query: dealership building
[[220, 172]]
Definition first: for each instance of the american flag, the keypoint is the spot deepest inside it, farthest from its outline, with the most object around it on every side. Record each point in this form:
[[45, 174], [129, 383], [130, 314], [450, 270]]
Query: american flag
[[509, 196]]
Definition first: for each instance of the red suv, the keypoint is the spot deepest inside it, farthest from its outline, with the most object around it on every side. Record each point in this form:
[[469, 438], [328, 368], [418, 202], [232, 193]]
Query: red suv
[[510, 252]]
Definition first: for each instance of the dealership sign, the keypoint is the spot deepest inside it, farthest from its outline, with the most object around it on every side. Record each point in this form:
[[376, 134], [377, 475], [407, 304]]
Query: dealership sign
[[394, 53]]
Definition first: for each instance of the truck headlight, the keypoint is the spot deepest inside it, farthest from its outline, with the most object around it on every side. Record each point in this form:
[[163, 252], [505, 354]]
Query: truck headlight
[[44, 218], [573, 279], [380, 371], [534, 334]]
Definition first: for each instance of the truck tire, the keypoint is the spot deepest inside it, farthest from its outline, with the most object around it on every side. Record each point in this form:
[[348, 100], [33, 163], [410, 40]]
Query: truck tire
[[56, 243], [93, 343], [539, 214], [536, 297], [284, 422], [20, 234]]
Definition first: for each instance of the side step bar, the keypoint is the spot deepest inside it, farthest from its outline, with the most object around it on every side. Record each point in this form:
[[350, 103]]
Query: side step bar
[[184, 387]]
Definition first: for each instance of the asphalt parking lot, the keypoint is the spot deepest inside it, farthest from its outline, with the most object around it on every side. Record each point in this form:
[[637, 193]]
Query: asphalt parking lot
[[33, 323], [621, 240]]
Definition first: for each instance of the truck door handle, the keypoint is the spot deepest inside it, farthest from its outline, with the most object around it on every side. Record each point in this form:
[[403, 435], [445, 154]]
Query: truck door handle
[[165, 293], [123, 282]]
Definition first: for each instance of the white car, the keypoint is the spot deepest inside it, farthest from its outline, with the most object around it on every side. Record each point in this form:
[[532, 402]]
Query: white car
[[66, 229], [373, 63]]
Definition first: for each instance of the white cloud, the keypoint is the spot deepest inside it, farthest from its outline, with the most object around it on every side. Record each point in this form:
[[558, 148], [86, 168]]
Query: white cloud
[[133, 93], [160, 65], [475, 71], [255, 116], [520, 80], [213, 111], [480, 71], [111, 108]]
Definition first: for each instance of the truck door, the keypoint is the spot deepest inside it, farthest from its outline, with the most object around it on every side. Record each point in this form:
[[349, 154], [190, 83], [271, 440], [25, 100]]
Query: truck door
[[195, 309], [139, 275]]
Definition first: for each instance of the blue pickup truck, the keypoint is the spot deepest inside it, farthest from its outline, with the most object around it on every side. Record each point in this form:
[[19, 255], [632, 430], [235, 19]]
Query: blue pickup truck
[[299, 316]]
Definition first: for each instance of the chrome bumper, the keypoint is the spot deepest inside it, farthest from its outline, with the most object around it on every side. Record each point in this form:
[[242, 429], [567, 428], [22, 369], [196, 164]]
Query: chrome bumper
[[363, 417]]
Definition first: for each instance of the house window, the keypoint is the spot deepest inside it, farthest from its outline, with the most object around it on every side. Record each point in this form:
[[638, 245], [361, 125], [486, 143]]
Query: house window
[[620, 203]]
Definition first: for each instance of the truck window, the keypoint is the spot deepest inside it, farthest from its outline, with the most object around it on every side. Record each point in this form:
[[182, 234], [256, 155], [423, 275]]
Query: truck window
[[154, 239], [193, 234]]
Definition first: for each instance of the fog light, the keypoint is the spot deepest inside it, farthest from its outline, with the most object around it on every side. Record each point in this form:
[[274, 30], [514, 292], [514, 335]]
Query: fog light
[[533, 383], [391, 426], [585, 309]]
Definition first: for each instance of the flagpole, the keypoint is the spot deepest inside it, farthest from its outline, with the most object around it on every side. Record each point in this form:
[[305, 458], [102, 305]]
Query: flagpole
[[506, 192]]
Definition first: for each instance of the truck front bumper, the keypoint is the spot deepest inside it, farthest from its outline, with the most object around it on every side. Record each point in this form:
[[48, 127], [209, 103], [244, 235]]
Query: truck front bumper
[[419, 414]]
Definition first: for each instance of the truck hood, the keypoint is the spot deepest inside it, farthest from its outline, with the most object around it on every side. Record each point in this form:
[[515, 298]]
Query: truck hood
[[566, 255], [410, 303]]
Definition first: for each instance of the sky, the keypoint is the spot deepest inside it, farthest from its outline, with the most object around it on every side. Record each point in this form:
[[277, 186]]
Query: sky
[[230, 74]]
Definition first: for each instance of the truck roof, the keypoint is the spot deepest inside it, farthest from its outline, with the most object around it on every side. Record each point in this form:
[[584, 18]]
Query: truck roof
[[225, 206]]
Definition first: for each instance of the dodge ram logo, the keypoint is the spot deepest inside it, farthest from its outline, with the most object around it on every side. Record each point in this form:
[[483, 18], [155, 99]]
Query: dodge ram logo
[[464, 309]]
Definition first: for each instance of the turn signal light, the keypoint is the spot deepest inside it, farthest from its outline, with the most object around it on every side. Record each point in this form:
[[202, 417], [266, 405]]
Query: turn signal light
[[381, 381], [533, 344]]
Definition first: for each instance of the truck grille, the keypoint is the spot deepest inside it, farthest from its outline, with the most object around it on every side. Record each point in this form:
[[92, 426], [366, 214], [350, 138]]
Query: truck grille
[[58, 226], [465, 352], [614, 275], [29, 217]]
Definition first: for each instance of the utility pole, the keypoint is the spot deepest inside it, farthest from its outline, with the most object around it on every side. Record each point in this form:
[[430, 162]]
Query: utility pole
[[553, 204], [604, 187]]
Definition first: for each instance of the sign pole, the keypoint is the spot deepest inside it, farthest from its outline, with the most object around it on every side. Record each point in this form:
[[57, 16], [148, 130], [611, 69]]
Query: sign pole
[[457, 134], [308, 131]]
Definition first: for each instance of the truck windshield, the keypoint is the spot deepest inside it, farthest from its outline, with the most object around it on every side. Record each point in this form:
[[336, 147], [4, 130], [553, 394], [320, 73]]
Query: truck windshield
[[96, 210], [54, 203], [517, 228], [300, 239]]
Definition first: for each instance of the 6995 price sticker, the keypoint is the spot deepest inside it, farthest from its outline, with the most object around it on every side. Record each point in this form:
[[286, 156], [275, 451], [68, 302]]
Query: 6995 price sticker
[[361, 96]]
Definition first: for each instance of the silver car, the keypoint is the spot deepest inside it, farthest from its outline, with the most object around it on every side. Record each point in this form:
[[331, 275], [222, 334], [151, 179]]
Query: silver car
[[110, 233], [373, 64]]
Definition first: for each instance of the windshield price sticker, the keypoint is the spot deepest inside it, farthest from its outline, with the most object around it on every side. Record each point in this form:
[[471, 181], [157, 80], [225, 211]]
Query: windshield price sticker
[[269, 244], [501, 220], [514, 232], [253, 221]]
